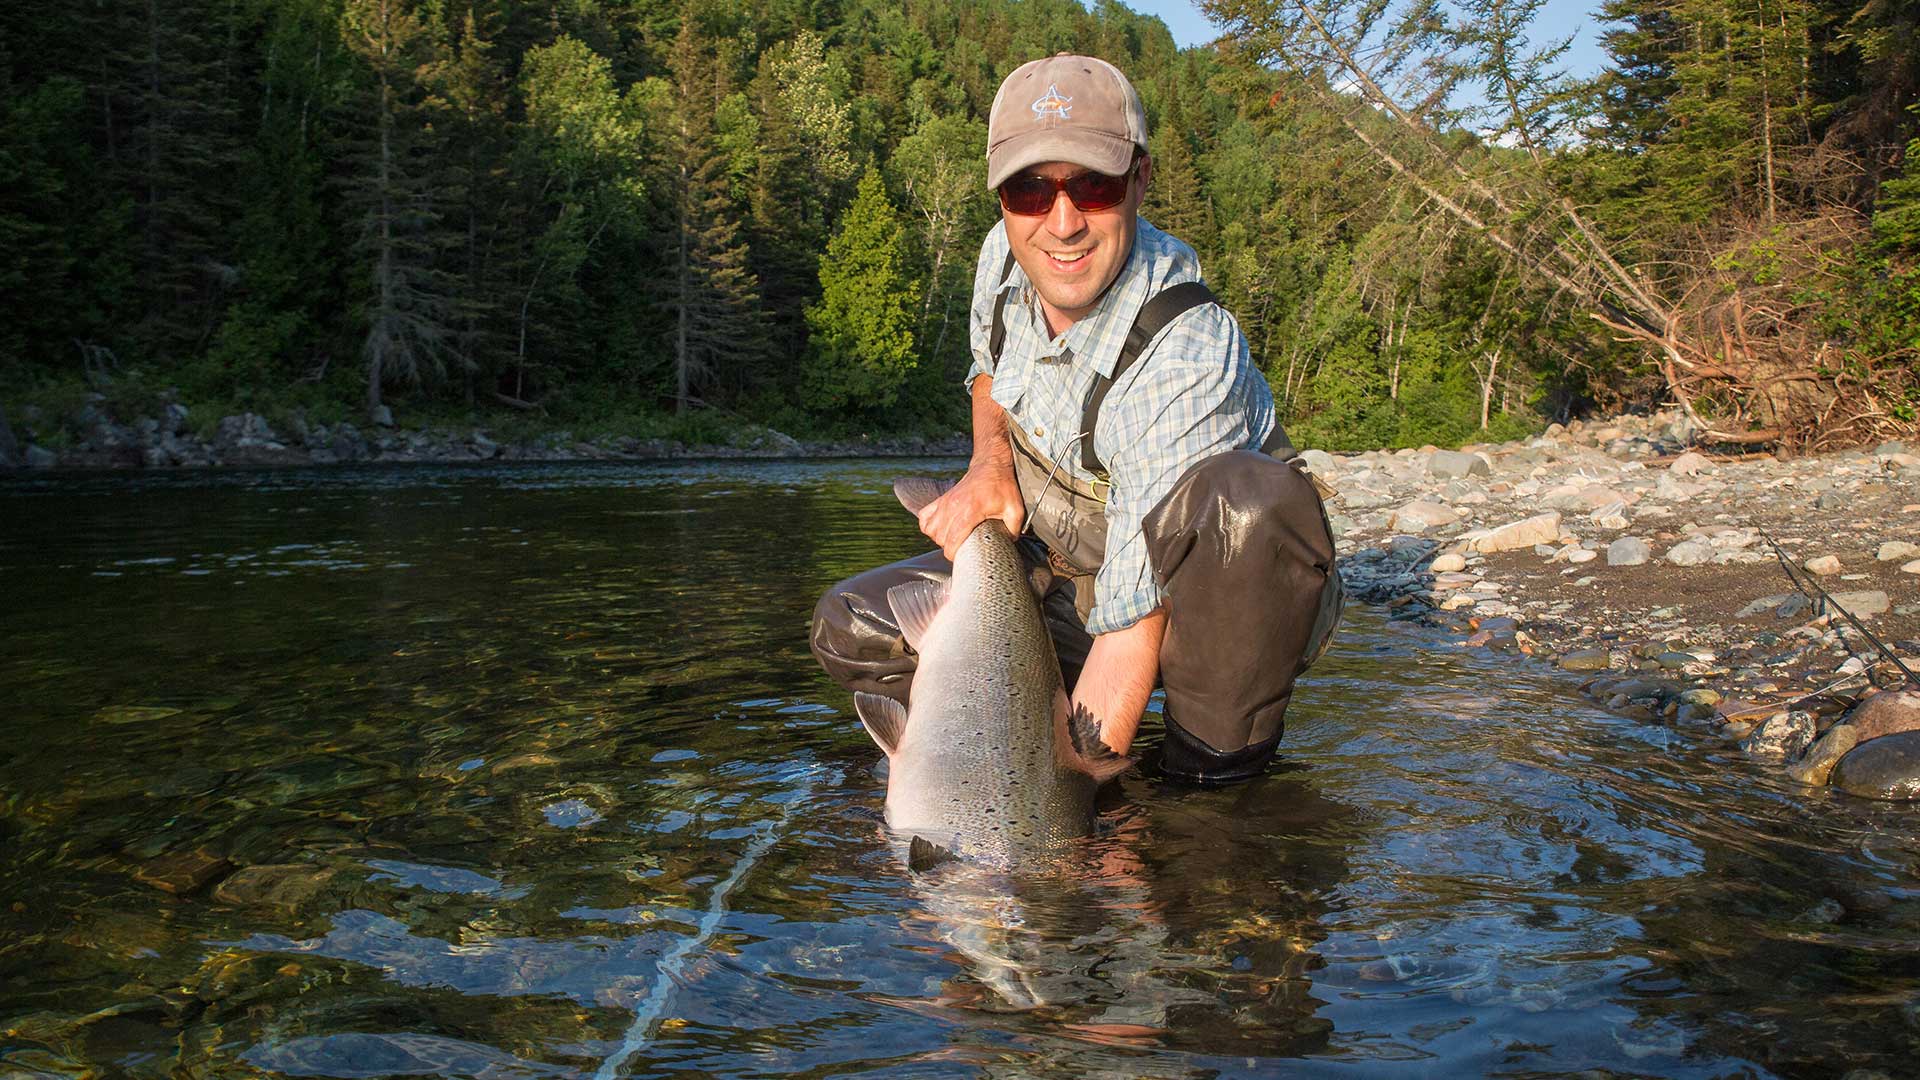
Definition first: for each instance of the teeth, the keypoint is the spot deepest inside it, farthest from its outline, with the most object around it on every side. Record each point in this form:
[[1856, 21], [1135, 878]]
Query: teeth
[[1075, 257]]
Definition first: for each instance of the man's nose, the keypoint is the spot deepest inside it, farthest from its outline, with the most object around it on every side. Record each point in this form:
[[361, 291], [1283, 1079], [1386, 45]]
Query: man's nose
[[1065, 219]]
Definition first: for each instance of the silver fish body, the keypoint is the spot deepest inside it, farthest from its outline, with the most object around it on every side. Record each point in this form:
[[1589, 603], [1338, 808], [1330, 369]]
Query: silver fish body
[[988, 760]]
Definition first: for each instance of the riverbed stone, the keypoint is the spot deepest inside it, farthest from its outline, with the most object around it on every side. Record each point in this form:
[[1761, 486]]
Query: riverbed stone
[[1815, 768], [1780, 737], [1895, 550], [1883, 768], [1450, 563], [1690, 463], [1889, 712], [1453, 463], [1691, 552], [1586, 660], [181, 872], [1517, 535], [1420, 515], [1628, 551], [280, 886], [1864, 604], [1823, 565]]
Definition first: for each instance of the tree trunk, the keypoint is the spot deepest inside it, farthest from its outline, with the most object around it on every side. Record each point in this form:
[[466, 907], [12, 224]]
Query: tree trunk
[[377, 343]]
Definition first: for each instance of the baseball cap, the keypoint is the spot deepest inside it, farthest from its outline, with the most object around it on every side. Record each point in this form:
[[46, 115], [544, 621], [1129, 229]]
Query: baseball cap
[[1077, 109]]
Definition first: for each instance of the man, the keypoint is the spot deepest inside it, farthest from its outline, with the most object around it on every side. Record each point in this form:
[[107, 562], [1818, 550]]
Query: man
[[1185, 556]]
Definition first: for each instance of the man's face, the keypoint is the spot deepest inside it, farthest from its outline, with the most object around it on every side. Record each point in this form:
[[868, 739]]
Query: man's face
[[1072, 255]]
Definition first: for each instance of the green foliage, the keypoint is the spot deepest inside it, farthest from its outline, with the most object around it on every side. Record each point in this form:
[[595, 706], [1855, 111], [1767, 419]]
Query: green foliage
[[861, 349], [605, 213]]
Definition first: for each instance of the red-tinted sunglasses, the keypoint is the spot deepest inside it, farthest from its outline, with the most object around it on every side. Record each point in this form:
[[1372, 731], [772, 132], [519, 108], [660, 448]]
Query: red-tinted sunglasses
[[1031, 195]]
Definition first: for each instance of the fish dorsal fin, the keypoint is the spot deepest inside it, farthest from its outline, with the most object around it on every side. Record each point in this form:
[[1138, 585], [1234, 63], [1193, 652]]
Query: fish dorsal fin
[[923, 855], [1082, 748], [914, 606], [885, 719], [915, 492]]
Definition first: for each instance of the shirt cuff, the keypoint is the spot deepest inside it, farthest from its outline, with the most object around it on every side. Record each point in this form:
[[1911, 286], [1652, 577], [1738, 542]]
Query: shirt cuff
[[1123, 611]]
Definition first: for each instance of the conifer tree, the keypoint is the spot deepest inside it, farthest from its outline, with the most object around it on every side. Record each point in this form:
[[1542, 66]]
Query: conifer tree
[[861, 349], [712, 297], [406, 313]]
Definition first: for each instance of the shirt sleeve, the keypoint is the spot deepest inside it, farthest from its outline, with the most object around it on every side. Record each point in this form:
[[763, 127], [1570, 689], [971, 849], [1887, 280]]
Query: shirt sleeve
[[1194, 393], [986, 284]]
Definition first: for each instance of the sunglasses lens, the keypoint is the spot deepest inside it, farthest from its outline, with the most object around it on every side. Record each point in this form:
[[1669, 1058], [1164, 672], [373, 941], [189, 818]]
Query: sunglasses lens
[[1096, 191], [1027, 194], [1032, 195]]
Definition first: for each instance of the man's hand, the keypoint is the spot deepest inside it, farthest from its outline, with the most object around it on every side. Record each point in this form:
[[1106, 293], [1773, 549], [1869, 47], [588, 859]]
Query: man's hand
[[987, 491], [1118, 678]]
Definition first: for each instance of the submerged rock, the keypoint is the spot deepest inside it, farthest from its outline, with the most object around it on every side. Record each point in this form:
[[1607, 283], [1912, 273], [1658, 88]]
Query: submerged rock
[[1816, 767], [1883, 768]]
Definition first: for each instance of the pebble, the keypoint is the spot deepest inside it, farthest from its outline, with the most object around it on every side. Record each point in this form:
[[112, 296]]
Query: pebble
[[1863, 605], [1581, 555], [1893, 550], [1911, 568], [1823, 565], [1517, 535]]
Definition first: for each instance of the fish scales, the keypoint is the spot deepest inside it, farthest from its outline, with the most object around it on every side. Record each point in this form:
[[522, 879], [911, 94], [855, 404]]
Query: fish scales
[[983, 759]]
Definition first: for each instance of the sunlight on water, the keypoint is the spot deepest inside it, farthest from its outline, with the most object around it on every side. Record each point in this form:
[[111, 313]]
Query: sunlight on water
[[527, 772]]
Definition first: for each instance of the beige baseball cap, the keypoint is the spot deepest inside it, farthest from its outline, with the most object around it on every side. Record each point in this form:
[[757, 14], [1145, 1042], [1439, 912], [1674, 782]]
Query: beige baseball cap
[[1065, 108]]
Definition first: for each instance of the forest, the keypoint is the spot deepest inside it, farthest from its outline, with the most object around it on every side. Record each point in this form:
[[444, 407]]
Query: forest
[[656, 217]]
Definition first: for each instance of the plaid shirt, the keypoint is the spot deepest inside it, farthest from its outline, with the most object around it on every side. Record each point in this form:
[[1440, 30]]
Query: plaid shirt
[[1192, 394]]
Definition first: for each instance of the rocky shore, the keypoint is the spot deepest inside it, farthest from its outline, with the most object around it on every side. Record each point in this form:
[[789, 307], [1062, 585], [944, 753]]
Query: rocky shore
[[1644, 569]]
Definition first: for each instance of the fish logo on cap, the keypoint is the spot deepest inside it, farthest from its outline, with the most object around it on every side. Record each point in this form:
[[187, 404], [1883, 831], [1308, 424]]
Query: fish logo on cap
[[1051, 106]]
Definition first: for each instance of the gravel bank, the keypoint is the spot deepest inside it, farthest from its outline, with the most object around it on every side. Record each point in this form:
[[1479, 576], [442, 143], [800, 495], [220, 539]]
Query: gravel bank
[[1642, 569]]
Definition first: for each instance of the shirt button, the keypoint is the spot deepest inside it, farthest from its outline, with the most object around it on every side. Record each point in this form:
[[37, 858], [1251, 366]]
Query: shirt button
[[1039, 433]]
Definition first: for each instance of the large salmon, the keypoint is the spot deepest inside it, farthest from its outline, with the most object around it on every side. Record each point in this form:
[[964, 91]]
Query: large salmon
[[988, 761]]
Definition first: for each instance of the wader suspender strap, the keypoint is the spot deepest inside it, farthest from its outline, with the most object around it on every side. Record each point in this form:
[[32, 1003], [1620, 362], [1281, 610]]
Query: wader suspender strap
[[1159, 310], [1155, 315]]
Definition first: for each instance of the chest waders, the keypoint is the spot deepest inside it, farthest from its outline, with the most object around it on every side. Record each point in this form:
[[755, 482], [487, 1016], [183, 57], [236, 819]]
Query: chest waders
[[1240, 545]]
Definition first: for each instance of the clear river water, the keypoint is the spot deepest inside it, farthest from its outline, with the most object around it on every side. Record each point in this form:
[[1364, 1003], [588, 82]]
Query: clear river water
[[526, 771]]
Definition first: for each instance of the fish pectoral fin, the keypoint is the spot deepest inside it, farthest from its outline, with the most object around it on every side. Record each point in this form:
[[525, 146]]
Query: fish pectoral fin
[[885, 719], [1084, 749], [914, 605], [923, 855], [915, 492]]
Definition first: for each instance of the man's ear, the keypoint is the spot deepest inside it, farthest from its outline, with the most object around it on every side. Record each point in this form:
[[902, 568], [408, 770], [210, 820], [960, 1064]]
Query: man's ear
[[1146, 172]]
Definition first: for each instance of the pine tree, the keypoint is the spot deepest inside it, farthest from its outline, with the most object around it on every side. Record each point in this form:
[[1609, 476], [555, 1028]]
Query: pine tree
[[407, 314], [713, 297], [861, 349]]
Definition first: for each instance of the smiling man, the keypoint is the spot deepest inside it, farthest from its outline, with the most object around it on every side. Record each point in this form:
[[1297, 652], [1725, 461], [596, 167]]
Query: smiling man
[[1118, 419]]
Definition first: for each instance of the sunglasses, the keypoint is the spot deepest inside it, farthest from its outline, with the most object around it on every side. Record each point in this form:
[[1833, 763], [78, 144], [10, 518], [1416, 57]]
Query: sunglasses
[[1031, 195]]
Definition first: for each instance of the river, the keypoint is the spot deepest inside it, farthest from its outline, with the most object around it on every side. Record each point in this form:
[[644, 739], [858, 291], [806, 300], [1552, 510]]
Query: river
[[526, 771]]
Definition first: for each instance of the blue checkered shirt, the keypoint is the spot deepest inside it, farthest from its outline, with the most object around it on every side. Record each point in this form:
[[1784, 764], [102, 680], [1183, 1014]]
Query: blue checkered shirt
[[1192, 394]]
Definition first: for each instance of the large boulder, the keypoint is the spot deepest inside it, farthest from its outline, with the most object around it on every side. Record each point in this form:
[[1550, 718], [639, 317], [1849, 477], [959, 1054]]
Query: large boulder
[[1780, 737], [1883, 768], [1887, 713]]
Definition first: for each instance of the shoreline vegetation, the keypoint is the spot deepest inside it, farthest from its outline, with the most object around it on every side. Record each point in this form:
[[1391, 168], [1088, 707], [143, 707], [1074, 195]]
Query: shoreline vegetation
[[682, 219]]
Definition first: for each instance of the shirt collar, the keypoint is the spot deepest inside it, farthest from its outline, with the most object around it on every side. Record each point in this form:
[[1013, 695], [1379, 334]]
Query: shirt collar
[[1156, 260]]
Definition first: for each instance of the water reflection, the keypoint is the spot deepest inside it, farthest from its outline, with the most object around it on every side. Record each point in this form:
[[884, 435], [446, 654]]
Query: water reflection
[[527, 772]]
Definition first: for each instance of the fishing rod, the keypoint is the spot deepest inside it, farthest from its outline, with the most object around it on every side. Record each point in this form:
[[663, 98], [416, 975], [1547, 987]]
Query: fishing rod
[[1800, 578]]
